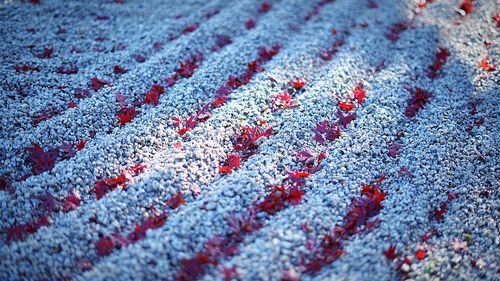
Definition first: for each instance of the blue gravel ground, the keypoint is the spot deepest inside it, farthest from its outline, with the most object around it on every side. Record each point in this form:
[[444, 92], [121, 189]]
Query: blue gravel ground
[[449, 149]]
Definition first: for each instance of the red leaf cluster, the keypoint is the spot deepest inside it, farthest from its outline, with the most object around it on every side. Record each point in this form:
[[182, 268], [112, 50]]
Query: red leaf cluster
[[216, 248], [362, 209], [417, 101], [103, 186], [153, 95], [126, 114], [247, 140], [185, 125], [41, 160], [277, 199], [105, 245], [439, 62], [20, 231]]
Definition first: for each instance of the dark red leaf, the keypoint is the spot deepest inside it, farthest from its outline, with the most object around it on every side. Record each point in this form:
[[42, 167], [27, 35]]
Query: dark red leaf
[[104, 246], [391, 254], [126, 114], [175, 201], [41, 161]]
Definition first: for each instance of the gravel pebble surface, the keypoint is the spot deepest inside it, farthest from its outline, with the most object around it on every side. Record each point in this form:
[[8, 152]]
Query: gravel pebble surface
[[446, 154]]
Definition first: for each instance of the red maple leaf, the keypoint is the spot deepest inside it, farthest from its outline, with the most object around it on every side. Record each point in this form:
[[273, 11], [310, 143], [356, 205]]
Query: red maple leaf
[[80, 145], [249, 24], [190, 28], [96, 84], [394, 150], [467, 6], [439, 212], [45, 54], [297, 84], [153, 95], [326, 131], [47, 203], [186, 69], [346, 106], [41, 161], [391, 254], [25, 68], [139, 58], [359, 93], [15, 232], [297, 177], [486, 65], [72, 201], [221, 41], [175, 201], [72, 104], [283, 101], [117, 69], [232, 163], [265, 7], [46, 115], [394, 30], [230, 273], [121, 99], [496, 18], [104, 246], [67, 70], [420, 254], [417, 101], [126, 114]]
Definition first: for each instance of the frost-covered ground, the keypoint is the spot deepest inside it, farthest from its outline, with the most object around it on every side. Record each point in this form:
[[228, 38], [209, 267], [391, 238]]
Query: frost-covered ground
[[249, 140]]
